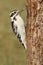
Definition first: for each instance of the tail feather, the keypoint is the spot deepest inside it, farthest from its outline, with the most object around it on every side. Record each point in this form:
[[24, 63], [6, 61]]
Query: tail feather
[[24, 45]]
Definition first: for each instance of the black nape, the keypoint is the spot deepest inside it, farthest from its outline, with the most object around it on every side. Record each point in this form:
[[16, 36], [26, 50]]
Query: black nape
[[11, 14]]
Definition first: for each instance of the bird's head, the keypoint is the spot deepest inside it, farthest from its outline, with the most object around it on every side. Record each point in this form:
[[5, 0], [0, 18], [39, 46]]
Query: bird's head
[[15, 12]]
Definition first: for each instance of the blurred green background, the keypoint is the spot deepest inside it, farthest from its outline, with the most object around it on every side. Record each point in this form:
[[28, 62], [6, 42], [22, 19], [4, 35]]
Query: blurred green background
[[11, 50]]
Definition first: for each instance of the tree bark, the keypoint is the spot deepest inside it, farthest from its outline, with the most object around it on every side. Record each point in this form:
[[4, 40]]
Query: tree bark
[[34, 32]]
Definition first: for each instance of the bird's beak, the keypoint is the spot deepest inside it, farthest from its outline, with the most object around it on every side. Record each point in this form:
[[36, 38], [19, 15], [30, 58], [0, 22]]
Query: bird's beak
[[19, 11]]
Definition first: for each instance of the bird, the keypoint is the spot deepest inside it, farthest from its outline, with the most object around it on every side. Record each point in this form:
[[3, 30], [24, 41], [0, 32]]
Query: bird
[[18, 26]]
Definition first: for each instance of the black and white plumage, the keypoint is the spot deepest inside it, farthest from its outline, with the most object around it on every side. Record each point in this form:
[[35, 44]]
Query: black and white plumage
[[18, 27]]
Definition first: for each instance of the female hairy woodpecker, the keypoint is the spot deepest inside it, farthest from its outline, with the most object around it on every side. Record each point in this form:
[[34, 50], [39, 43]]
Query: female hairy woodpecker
[[18, 26]]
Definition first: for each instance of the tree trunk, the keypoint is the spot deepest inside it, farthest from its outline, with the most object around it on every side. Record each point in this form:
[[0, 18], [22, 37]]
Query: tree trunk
[[34, 32]]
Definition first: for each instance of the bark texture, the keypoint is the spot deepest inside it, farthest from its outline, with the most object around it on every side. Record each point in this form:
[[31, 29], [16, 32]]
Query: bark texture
[[34, 32]]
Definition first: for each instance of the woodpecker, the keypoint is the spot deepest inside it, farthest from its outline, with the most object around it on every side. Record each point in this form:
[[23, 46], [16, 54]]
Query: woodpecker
[[18, 26]]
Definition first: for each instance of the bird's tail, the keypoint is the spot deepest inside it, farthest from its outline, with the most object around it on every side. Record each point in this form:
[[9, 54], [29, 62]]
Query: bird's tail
[[24, 45]]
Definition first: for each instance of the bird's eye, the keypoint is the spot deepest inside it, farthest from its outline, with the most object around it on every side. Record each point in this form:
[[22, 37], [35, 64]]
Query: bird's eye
[[14, 12]]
